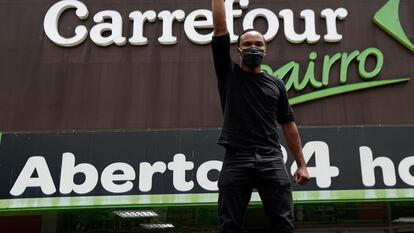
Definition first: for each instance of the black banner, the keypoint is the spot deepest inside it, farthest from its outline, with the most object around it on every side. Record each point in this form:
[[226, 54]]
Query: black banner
[[37, 165]]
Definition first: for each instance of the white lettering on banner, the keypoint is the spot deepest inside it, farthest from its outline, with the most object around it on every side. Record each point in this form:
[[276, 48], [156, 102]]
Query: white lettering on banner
[[108, 177], [146, 171], [197, 19], [119, 177], [368, 165], [323, 171], [69, 169], [202, 174], [284, 153], [179, 166], [24, 180], [404, 170]]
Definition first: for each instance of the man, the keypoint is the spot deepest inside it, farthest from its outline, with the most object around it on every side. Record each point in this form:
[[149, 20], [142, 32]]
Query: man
[[252, 102]]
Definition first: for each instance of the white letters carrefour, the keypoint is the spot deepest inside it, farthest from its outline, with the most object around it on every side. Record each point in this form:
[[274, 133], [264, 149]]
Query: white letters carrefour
[[195, 20]]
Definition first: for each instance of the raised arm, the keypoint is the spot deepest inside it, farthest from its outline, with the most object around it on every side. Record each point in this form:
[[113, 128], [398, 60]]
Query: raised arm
[[219, 17]]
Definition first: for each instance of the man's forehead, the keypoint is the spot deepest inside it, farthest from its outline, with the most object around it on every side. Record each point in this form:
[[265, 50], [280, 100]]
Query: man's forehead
[[252, 35]]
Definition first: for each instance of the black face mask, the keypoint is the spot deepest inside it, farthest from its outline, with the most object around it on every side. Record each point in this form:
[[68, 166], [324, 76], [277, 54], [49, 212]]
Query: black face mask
[[252, 57]]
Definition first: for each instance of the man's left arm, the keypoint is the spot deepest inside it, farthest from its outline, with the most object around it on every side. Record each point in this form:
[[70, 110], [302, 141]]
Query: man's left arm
[[291, 133]]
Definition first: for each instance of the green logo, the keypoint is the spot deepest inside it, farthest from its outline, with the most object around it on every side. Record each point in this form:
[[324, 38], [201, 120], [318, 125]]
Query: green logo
[[388, 18]]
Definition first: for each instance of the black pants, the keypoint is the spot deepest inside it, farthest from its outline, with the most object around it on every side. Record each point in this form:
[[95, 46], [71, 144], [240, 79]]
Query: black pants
[[244, 170]]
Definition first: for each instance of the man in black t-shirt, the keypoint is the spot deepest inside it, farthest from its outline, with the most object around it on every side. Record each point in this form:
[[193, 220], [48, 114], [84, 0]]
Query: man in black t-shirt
[[252, 102]]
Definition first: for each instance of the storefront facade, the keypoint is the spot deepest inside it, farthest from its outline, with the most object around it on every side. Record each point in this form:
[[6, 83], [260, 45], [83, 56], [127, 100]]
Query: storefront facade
[[112, 106]]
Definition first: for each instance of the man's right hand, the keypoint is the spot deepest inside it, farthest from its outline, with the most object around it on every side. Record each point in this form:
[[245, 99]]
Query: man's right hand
[[301, 176], [219, 17]]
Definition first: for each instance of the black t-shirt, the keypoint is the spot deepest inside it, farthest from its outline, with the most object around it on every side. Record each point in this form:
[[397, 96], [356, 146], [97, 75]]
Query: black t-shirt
[[251, 102]]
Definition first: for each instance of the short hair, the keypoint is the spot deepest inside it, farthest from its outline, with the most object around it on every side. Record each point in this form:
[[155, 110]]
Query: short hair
[[246, 31]]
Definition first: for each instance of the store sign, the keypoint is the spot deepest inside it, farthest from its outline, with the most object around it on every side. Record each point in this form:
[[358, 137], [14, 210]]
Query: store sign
[[111, 22], [388, 19], [163, 75], [182, 167], [197, 19]]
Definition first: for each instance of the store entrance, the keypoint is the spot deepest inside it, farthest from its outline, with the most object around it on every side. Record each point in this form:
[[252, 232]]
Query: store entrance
[[377, 217]]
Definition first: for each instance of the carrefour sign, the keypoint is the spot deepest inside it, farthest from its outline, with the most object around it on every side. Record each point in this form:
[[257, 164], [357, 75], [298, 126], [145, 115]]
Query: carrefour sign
[[197, 19], [312, 72]]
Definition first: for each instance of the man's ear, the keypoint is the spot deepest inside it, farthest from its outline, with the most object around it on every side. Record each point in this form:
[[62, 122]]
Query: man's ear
[[239, 51]]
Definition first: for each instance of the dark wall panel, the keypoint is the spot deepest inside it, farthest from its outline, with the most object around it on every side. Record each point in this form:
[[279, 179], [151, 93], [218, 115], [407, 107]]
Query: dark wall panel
[[47, 87]]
